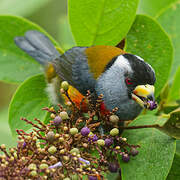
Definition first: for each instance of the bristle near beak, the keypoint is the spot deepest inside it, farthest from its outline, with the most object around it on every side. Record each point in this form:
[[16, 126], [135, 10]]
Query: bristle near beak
[[144, 95]]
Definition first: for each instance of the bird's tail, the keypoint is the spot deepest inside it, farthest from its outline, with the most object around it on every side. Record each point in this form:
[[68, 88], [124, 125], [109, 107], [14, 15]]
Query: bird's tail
[[38, 46]]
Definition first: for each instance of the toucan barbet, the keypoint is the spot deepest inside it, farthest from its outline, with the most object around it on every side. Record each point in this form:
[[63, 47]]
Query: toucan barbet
[[125, 80]]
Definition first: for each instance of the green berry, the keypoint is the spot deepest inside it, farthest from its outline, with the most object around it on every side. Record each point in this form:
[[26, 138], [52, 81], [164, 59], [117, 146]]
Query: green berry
[[3, 146], [66, 158], [33, 173], [43, 166], [52, 150], [73, 131], [61, 139], [64, 115], [100, 142], [67, 178], [114, 132], [65, 85], [50, 136], [75, 150], [32, 166], [114, 119]]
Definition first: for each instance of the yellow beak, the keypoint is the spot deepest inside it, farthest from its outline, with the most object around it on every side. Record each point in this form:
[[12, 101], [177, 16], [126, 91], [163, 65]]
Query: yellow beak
[[144, 95]]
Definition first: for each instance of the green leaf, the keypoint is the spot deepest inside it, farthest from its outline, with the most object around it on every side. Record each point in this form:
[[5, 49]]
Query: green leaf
[[5, 137], [178, 147], [112, 176], [153, 7], [174, 93], [18, 7], [102, 22], [172, 125], [65, 35], [148, 40], [16, 65], [174, 173], [169, 19], [156, 151], [27, 102]]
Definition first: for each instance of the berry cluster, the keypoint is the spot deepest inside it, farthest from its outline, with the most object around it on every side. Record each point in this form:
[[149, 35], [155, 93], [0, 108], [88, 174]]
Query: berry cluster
[[72, 145]]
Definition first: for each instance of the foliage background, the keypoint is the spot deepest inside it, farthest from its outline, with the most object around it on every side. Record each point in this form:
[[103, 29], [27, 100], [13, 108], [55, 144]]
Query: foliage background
[[49, 14]]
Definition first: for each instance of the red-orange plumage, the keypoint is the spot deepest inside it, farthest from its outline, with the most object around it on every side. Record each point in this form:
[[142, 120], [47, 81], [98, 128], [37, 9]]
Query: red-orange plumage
[[77, 98], [81, 101]]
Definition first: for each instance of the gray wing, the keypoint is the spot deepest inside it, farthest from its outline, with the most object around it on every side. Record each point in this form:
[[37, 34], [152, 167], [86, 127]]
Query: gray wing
[[72, 66]]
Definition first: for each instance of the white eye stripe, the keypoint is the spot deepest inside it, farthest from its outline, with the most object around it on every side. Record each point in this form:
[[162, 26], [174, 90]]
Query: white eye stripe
[[146, 62], [123, 63], [140, 58], [151, 67]]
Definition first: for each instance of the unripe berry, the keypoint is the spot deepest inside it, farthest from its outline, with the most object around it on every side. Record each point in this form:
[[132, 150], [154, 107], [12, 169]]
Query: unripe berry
[[66, 158], [52, 149], [114, 119], [50, 136], [33, 173], [67, 178], [65, 128], [62, 151], [32, 166], [73, 131], [64, 115], [75, 150], [101, 142], [43, 166], [3, 146], [57, 120], [61, 139], [114, 132], [65, 85], [85, 131], [52, 115]]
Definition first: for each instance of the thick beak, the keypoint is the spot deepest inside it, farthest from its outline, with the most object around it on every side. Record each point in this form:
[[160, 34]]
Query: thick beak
[[144, 95]]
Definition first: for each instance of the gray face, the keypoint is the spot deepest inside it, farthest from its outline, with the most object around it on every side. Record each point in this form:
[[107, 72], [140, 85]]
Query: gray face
[[115, 93]]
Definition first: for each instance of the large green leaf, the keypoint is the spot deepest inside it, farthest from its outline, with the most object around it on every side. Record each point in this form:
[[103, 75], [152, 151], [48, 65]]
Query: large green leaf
[[153, 7], [156, 152], [178, 147], [18, 7], [16, 65], [148, 40], [27, 102], [112, 176], [102, 22], [174, 93], [5, 137], [65, 35], [174, 173], [172, 125], [169, 19]]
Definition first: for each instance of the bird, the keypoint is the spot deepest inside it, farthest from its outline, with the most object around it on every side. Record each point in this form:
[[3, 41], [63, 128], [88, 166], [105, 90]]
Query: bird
[[125, 80]]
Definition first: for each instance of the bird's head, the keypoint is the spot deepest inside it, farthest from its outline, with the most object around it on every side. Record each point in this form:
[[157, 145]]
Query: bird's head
[[139, 78], [128, 83]]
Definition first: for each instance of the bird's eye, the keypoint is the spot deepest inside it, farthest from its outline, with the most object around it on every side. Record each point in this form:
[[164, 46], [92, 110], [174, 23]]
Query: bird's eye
[[128, 81]]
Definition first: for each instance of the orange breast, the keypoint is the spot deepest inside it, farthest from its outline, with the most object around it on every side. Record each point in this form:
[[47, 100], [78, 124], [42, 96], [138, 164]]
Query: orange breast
[[77, 98], [81, 102]]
